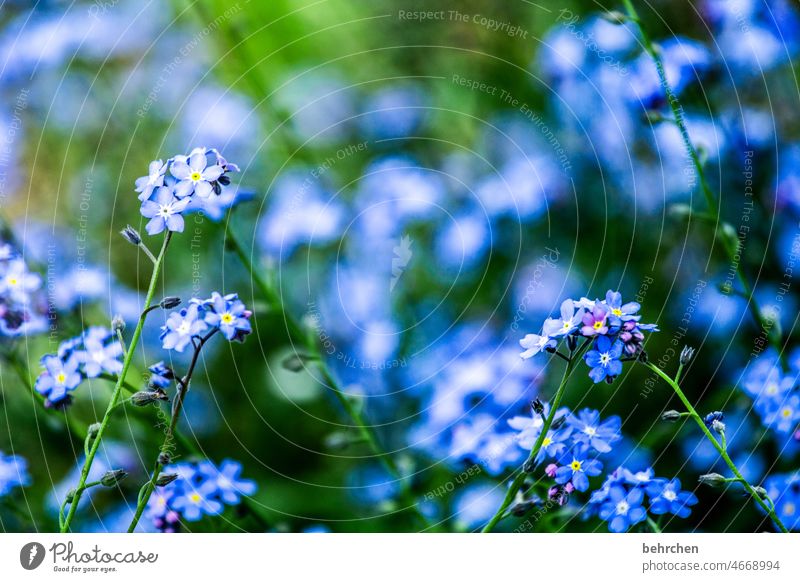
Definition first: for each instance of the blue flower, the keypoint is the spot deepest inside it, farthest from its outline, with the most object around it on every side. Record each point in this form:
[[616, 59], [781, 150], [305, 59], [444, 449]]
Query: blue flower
[[181, 327], [16, 282], [164, 211], [229, 486], [161, 375], [622, 508], [194, 174], [529, 427], [591, 432], [59, 378], [577, 468], [784, 416], [569, 322], [98, 354], [13, 473], [228, 314], [195, 501], [667, 497], [604, 359], [621, 312], [638, 478], [534, 344], [784, 491], [154, 179]]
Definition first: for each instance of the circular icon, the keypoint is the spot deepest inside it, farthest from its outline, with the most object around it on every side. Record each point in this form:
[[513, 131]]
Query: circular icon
[[31, 555]]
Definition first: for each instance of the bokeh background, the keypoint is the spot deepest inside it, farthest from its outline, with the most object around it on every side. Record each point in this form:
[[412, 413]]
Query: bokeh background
[[427, 190]]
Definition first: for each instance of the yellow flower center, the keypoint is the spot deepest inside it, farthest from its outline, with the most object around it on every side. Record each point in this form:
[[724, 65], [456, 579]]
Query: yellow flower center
[[617, 312], [786, 412], [195, 176], [13, 281], [227, 319], [195, 497], [61, 378], [598, 324], [546, 441], [575, 465]]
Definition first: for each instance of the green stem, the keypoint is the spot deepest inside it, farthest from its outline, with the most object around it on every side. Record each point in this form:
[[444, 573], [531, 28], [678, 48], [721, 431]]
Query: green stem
[[297, 332], [518, 481], [653, 525], [169, 436], [720, 449], [87, 465], [711, 201]]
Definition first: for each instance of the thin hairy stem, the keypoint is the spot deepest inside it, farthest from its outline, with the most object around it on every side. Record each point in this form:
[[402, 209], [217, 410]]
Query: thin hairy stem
[[720, 448], [772, 332], [519, 480], [115, 395], [169, 436]]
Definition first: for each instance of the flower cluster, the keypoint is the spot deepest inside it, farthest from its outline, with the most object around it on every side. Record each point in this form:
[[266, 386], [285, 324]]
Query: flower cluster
[[13, 473], [574, 442], [96, 351], [224, 313], [775, 394], [199, 489], [621, 499], [182, 183], [610, 325], [784, 491], [21, 308]]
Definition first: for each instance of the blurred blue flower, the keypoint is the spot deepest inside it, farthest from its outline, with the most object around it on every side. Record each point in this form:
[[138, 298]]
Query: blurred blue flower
[[13, 473], [666, 497]]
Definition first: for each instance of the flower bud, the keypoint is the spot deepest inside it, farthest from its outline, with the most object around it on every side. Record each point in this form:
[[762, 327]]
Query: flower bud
[[687, 354], [295, 362], [761, 492], [131, 235], [70, 497], [529, 465], [93, 431], [145, 397], [712, 480], [170, 302], [718, 427], [538, 407], [550, 470], [117, 323], [711, 417], [165, 479], [615, 17], [112, 478], [671, 416], [164, 458]]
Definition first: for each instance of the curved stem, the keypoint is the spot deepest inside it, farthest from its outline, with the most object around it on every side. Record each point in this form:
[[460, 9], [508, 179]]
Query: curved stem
[[169, 437], [518, 481], [723, 453], [87, 464], [713, 207]]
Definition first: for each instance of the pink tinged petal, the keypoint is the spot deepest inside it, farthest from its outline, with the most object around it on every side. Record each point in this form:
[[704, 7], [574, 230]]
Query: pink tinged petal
[[180, 170]]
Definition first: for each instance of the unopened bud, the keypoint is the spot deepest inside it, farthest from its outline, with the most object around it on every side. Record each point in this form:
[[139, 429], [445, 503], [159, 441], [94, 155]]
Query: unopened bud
[[687, 354], [165, 479], [761, 492], [131, 235], [718, 427], [711, 417], [111, 478], [712, 480], [296, 362], [615, 17], [164, 458], [117, 323], [671, 416], [538, 407], [170, 302], [70, 497], [550, 470], [94, 430], [145, 397]]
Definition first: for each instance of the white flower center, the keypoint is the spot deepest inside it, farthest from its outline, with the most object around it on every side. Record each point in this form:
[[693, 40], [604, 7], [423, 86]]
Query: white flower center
[[165, 210], [184, 327], [670, 495], [605, 359], [590, 430], [623, 507]]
